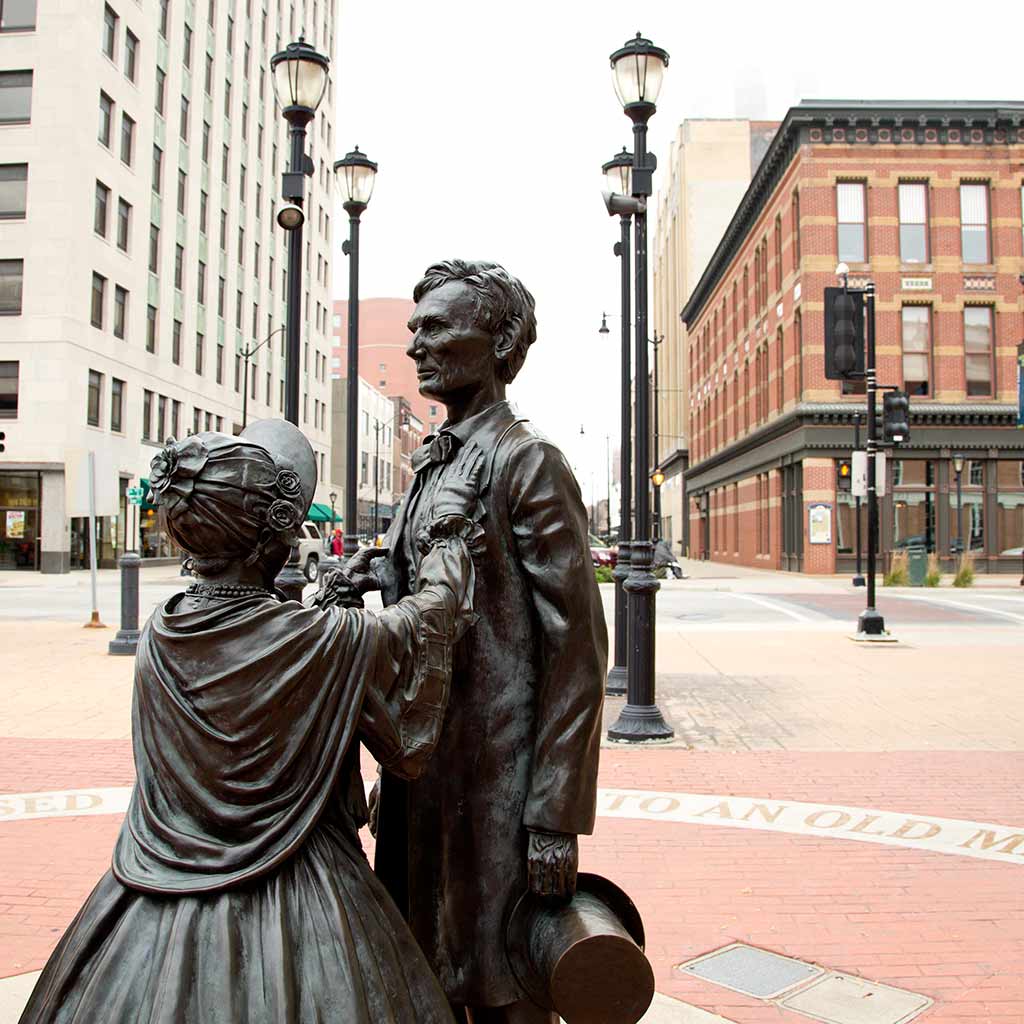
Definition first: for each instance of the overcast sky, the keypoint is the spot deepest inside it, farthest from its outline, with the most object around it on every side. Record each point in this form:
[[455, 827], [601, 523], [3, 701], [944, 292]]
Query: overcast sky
[[490, 122]]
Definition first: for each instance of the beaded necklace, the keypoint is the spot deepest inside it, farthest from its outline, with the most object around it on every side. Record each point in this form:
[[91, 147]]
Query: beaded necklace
[[226, 590]]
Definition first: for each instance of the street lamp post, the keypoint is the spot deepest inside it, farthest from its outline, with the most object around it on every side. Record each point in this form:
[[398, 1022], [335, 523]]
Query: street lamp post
[[618, 174], [247, 354], [958, 469], [299, 73], [637, 70], [354, 176], [332, 497], [657, 478]]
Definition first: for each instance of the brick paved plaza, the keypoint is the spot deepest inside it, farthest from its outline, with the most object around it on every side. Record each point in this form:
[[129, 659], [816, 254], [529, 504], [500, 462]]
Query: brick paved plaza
[[855, 808]]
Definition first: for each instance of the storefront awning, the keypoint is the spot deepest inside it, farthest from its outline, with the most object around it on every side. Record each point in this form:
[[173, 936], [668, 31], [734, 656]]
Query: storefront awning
[[145, 506], [322, 514]]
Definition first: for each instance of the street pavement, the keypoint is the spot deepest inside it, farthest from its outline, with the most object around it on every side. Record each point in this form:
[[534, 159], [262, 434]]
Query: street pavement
[[856, 807]]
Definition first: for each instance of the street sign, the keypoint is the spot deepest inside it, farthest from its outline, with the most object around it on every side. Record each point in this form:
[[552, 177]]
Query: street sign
[[135, 495], [859, 483]]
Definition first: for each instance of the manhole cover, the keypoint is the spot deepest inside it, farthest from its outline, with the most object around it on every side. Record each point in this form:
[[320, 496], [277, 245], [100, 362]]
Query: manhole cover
[[843, 999], [755, 972]]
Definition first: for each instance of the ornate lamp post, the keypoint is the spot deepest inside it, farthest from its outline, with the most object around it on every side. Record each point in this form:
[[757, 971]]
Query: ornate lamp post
[[618, 173], [300, 81], [637, 72], [958, 469], [354, 177]]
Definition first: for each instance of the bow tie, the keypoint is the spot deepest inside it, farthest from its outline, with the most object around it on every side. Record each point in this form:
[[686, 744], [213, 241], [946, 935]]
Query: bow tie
[[436, 449]]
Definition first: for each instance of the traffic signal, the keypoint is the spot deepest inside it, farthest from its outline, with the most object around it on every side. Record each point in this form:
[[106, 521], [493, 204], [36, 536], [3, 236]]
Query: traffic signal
[[844, 334], [844, 476], [3, 437], [896, 417]]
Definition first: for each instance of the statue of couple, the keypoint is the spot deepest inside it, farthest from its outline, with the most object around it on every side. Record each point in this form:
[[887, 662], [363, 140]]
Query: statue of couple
[[239, 890]]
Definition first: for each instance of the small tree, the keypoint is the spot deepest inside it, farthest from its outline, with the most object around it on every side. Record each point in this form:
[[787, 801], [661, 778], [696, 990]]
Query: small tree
[[933, 577], [965, 572], [603, 574]]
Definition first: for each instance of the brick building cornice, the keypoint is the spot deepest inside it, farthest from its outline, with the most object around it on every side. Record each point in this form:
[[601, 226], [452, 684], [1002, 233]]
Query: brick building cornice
[[857, 122], [828, 427]]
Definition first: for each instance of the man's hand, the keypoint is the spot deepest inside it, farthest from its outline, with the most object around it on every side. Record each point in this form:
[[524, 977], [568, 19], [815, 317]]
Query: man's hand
[[552, 860], [359, 569]]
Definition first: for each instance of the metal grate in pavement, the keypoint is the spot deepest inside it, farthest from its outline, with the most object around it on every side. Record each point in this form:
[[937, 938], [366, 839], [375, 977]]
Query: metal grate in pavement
[[752, 971], [844, 999]]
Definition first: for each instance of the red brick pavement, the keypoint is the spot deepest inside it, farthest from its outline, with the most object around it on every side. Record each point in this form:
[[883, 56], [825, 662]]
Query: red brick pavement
[[949, 927]]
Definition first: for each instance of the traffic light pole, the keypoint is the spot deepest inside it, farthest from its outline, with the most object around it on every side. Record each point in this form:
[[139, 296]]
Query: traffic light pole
[[858, 578], [871, 623]]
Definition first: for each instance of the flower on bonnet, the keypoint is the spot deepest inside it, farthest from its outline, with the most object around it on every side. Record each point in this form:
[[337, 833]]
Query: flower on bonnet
[[174, 469], [283, 516]]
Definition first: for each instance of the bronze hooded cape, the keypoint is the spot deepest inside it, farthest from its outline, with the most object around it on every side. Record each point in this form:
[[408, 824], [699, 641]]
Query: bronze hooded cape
[[239, 890]]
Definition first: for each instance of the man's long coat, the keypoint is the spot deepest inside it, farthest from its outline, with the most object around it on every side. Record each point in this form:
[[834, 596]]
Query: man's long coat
[[521, 737]]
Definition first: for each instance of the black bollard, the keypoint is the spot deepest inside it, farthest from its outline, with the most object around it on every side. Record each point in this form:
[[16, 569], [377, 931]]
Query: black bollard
[[127, 639]]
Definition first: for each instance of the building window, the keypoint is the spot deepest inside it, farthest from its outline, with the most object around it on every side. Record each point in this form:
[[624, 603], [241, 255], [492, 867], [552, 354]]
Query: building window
[[179, 267], [208, 80], [223, 230], [221, 288], [99, 220], [183, 125], [165, 14], [231, 34], [913, 201], [978, 350], [204, 203], [127, 139], [200, 353], [147, 415], [11, 276], [120, 311], [778, 252], [17, 15], [99, 294], [175, 418], [220, 364], [8, 389], [197, 420], [151, 328], [131, 54], [852, 225], [158, 169], [110, 20], [176, 343], [13, 189], [238, 373], [795, 205], [205, 147], [227, 99], [161, 418], [154, 249], [124, 223], [186, 57], [241, 182], [106, 119], [916, 349], [116, 404], [974, 240], [92, 411], [225, 163], [182, 191], [201, 284], [161, 91]]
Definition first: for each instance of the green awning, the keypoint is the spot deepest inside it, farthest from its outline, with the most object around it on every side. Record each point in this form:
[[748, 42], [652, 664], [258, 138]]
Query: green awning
[[322, 513], [145, 506]]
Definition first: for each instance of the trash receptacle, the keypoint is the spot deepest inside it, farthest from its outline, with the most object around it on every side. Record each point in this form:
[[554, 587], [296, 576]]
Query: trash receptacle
[[917, 565]]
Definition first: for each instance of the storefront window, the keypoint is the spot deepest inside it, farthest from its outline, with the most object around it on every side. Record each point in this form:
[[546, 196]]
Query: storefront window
[[153, 539], [970, 518], [913, 504], [19, 520], [846, 524], [106, 542], [1009, 538]]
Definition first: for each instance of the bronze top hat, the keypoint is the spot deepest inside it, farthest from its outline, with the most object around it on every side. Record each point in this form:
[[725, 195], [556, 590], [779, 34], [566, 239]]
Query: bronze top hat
[[583, 959]]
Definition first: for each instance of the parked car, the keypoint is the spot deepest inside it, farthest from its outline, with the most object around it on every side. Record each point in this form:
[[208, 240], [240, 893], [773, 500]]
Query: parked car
[[602, 554], [311, 548]]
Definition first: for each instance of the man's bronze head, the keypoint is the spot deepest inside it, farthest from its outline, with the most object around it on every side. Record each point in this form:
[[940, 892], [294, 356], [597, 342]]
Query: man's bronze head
[[472, 325]]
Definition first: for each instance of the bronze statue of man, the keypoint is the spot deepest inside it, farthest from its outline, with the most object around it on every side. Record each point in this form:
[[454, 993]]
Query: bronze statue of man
[[498, 810]]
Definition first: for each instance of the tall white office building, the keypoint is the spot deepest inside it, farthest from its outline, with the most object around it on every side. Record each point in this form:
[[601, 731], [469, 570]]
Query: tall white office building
[[141, 153]]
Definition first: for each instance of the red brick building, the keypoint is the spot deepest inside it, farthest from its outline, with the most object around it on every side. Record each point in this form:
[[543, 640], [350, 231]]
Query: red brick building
[[925, 200], [383, 340]]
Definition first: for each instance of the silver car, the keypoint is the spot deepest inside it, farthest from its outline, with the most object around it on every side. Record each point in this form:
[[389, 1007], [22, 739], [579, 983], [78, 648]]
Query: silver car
[[311, 550]]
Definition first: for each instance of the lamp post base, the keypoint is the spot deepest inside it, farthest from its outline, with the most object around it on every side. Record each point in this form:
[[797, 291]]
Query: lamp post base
[[640, 723], [126, 642], [291, 580], [616, 684], [871, 622], [859, 581]]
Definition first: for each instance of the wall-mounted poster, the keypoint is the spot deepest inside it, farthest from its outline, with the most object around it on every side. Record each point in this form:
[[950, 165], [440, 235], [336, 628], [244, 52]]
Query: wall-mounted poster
[[819, 524], [15, 525]]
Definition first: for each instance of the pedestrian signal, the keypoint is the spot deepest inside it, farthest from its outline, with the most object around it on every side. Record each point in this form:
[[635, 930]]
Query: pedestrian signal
[[844, 476], [3, 437]]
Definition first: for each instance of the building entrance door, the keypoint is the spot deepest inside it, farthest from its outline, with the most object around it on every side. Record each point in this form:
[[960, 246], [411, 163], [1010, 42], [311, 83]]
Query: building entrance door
[[19, 520], [793, 517]]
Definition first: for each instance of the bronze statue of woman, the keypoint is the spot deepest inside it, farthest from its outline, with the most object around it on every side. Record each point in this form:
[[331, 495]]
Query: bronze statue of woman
[[239, 890]]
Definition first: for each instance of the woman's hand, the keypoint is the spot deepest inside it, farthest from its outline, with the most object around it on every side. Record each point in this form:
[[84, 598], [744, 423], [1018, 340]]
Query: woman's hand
[[359, 569]]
